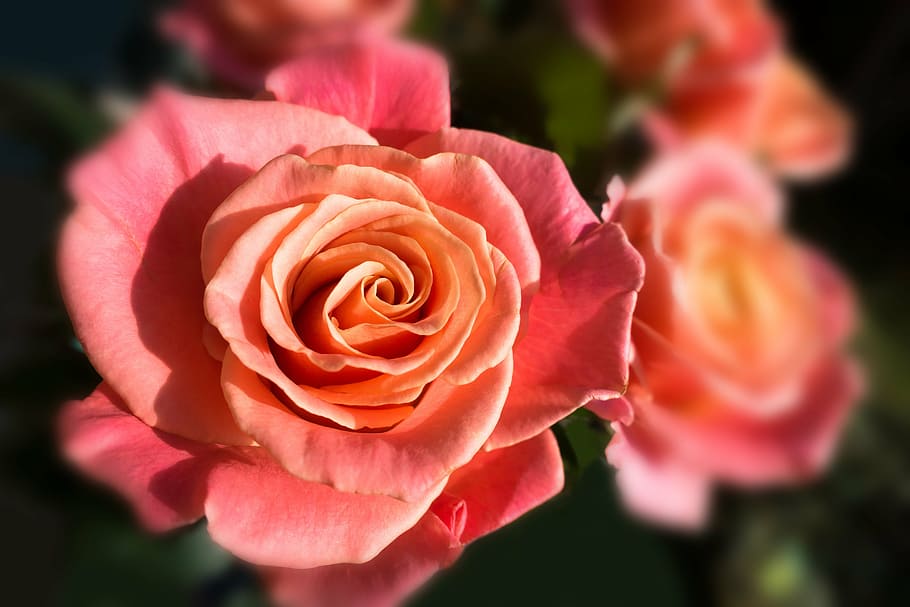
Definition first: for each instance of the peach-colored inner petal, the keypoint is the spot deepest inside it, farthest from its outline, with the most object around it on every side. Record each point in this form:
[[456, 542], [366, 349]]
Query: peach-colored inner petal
[[347, 305], [305, 306], [290, 180], [452, 305], [231, 306]]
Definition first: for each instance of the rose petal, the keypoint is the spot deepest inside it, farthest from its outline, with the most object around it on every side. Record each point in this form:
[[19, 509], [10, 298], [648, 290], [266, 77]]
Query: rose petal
[[614, 409], [491, 491], [284, 182], [129, 258], [382, 582], [262, 514], [498, 321], [802, 131], [554, 211], [577, 345], [656, 486], [254, 508], [681, 180], [788, 448], [834, 293], [396, 90], [112, 446], [641, 221], [232, 302], [445, 431], [498, 486], [457, 281], [462, 184], [240, 42], [187, 26], [728, 110], [494, 334], [707, 170]]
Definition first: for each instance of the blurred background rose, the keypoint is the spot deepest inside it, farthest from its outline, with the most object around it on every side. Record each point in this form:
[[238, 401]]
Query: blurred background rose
[[721, 69], [70, 71], [738, 373], [240, 40]]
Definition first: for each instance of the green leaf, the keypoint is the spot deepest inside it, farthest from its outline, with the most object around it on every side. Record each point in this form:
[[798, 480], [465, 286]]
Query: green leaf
[[573, 87], [55, 115], [585, 435]]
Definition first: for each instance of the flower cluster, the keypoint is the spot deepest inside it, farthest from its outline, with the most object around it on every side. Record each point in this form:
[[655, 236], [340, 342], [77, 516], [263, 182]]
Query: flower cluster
[[340, 329]]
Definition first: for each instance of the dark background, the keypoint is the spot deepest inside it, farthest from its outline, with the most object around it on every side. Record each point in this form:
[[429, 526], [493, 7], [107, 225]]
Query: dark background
[[844, 540]]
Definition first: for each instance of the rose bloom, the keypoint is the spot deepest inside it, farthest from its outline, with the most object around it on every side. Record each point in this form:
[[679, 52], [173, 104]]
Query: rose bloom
[[642, 38], [739, 374], [724, 74], [241, 40], [345, 356]]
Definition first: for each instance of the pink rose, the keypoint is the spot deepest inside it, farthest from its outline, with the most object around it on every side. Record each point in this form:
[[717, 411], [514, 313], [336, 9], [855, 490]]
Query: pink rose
[[725, 75], [739, 373], [345, 356], [779, 113], [648, 39], [241, 40]]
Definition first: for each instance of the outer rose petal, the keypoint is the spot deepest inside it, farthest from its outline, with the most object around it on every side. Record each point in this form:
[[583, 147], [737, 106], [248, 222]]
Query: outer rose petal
[[499, 486], [838, 300], [262, 514], [115, 448], [406, 462], [752, 452], [577, 345], [399, 569], [489, 492], [129, 258], [395, 90], [802, 131], [256, 39], [656, 486], [704, 171], [614, 409], [254, 508], [555, 211]]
